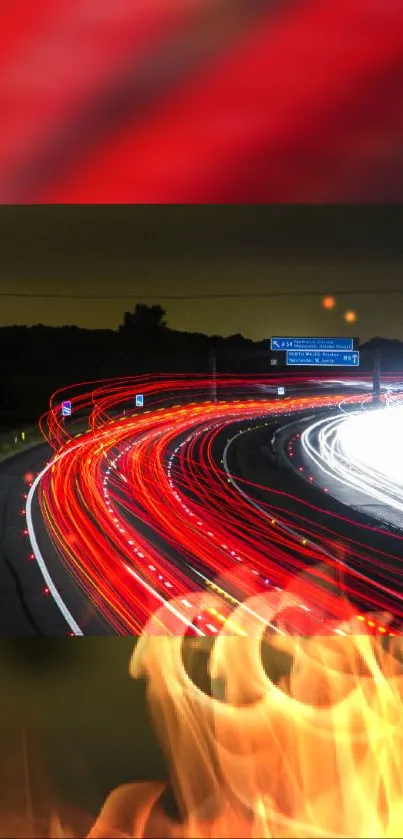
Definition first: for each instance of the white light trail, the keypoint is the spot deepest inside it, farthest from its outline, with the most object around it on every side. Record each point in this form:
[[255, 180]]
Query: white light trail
[[363, 450]]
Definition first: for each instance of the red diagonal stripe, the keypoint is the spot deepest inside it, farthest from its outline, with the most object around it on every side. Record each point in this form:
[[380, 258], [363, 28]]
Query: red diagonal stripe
[[306, 107]]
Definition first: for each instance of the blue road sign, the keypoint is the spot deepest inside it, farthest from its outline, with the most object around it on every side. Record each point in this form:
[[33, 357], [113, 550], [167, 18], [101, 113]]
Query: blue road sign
[[322, 359], [139, 400], [281, 391], [66, 409], [315, 344]]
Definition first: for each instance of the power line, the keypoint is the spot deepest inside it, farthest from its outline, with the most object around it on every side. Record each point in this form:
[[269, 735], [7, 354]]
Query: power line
[[202, 296]]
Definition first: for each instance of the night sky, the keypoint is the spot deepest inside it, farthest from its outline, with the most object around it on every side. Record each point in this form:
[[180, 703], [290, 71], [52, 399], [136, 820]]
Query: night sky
[[141, 252]]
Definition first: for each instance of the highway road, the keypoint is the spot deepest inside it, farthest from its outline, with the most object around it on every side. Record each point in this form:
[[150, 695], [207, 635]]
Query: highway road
[[139, 517], [362, 530]]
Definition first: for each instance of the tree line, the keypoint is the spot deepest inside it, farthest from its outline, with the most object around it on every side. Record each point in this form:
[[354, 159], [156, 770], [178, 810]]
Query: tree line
[[36, 360]]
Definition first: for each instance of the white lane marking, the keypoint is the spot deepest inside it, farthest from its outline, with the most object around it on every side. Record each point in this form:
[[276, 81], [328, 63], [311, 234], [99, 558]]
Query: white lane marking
[[68, 617]]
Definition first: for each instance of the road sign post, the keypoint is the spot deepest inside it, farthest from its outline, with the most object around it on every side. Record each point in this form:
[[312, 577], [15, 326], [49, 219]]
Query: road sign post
[[213, 370], [376, 378]]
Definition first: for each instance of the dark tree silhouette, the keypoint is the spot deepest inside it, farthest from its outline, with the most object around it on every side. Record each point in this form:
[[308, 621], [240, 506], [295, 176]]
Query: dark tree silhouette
[[144, 319]]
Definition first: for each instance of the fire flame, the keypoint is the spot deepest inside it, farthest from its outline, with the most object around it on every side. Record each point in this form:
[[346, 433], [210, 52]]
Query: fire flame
[[317, 754], [313, 753]]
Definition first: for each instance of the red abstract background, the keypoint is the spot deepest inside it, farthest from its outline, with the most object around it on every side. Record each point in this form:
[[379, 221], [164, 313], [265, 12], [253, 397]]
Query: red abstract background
[[201, 101]]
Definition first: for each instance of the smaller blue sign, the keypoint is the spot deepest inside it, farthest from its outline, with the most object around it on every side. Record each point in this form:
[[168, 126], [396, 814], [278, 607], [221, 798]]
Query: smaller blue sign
[[322, 344], [139, 400], [66, 409], [322, 359]]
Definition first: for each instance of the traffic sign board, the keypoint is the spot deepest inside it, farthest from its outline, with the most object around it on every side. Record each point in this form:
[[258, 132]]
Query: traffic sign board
[[281, 391], [139, 400], [322, 359], [66, 409], [315, 344]]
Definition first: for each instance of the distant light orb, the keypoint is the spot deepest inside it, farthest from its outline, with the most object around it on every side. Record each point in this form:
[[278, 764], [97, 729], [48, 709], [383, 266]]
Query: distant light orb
[[29, 477], [350, 317], [328, 302]]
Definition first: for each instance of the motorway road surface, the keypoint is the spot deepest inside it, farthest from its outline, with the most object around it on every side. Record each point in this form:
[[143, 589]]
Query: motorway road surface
[[25, 608], [115, 556], [360, 541]]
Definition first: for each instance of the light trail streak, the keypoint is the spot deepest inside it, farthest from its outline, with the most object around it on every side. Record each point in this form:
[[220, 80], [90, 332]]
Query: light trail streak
[[141, 513], [286, 528], [362, 451]]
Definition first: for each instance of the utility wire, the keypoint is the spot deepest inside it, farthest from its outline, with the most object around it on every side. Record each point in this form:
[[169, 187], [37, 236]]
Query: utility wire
[[201, 296]]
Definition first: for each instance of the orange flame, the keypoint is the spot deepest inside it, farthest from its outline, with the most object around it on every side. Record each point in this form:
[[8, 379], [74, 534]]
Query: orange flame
[[319, 753], [294, 736]]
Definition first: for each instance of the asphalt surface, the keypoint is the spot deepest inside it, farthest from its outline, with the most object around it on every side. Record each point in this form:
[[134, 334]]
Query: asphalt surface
[[253, 458], [25, 608], [27, 611]]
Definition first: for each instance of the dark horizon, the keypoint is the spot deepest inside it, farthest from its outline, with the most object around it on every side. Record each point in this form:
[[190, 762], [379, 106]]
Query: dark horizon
[[157, 253], [236, 336]]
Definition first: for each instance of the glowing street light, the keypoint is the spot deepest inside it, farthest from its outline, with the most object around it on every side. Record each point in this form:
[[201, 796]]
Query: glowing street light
[[328, 302]]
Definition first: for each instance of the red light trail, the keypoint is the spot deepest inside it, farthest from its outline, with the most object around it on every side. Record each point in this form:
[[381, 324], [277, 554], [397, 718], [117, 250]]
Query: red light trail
[[142, 512]]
